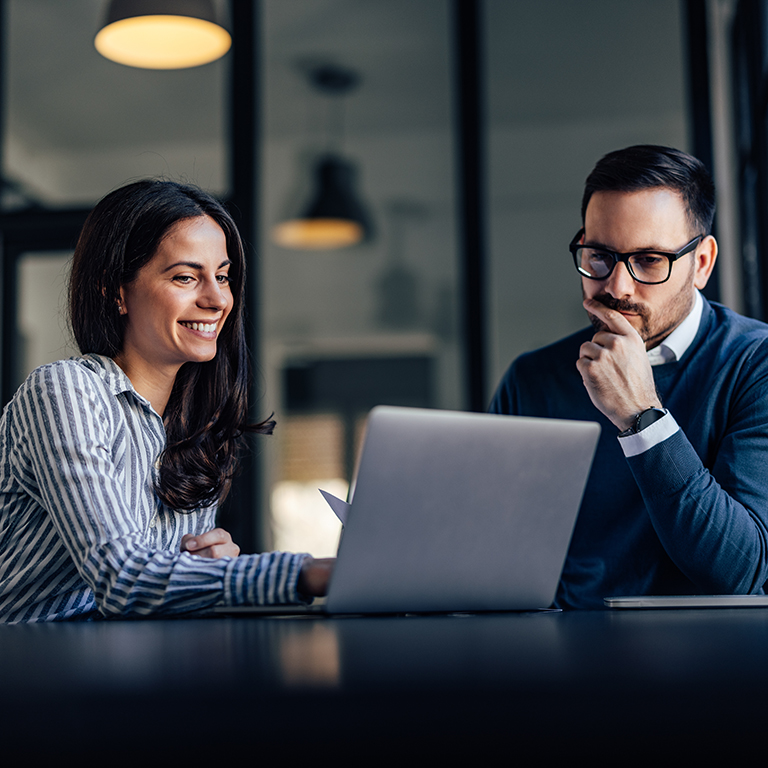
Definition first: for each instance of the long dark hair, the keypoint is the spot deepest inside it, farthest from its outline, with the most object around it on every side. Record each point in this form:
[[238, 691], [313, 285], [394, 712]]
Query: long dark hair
[[207, 412]]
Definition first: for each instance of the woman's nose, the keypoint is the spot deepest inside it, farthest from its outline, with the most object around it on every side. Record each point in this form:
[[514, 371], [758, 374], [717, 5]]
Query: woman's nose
[[214, 295]]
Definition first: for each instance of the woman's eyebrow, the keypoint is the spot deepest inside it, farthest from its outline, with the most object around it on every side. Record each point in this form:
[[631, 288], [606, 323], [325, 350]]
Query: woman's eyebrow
[[194, 265]]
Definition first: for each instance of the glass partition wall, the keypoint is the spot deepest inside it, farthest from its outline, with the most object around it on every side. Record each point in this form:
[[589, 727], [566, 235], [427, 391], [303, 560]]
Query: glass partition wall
[[347, 328]]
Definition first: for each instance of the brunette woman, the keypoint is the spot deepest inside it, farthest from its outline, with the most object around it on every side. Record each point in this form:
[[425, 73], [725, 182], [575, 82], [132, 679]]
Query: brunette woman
[[112, 464]]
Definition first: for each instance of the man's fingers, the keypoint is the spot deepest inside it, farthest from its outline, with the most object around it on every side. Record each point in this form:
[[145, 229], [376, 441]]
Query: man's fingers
[[590, 350], [615, 321], [601, 343]]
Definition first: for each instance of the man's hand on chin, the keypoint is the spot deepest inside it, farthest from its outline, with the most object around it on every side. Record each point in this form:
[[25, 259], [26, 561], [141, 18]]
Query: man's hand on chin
[[615, 369]]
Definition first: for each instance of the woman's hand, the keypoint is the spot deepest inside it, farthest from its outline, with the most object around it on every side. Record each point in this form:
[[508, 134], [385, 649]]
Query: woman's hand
[[213, 544], [315, 576]]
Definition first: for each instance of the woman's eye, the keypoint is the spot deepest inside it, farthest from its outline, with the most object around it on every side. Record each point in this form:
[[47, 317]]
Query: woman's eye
[[183, 279], [224, 279]]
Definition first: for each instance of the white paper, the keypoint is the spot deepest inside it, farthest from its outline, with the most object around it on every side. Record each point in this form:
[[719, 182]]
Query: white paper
[[341, 508]]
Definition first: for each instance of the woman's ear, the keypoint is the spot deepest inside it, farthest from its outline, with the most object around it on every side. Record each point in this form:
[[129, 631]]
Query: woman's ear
[[121, 308]]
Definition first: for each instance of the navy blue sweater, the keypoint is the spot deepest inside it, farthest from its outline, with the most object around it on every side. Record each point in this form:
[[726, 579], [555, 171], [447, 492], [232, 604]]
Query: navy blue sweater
[[690, 515]]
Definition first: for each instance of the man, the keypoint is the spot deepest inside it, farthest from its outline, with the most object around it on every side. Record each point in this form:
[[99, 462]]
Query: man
[[677, 499]]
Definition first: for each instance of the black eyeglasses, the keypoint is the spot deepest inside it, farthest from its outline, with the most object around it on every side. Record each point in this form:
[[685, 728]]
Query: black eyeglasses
[[648, 267]]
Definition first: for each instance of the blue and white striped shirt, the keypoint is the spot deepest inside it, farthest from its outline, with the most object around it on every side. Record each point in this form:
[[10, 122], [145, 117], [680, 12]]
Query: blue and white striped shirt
[[81, 528]]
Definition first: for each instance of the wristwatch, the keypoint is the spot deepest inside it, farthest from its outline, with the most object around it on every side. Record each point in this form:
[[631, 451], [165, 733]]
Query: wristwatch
[[644, 419]]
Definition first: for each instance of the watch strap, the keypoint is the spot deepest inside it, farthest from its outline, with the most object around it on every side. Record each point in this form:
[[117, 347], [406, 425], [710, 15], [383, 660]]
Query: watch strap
[[644, 419]]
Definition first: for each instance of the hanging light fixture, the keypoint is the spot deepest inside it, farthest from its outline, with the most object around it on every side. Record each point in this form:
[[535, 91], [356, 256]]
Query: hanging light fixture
[[162, 34], [334, 216]]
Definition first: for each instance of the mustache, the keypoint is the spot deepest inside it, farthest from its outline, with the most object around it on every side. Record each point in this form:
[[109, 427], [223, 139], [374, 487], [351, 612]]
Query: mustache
[[621, 305]]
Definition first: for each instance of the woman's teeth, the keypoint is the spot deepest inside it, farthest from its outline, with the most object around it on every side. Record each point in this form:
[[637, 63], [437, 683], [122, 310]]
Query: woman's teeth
[[205, 327]]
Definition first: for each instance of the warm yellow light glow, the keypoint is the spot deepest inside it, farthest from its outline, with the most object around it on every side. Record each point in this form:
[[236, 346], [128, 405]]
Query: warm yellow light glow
[[317, 234], [163, 42]]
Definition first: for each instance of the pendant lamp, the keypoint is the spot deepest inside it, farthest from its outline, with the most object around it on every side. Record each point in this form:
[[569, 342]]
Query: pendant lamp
[[162, 34], [334, 217]]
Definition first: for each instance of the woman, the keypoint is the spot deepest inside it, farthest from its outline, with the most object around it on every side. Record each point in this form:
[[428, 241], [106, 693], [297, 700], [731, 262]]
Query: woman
[[112, 464]]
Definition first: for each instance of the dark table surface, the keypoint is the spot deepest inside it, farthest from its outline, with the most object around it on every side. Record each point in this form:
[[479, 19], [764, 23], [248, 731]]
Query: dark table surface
[[540, 686]]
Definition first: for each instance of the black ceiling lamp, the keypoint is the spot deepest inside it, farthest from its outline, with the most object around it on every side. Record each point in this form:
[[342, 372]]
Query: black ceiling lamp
[[334, 216], [162, 34]]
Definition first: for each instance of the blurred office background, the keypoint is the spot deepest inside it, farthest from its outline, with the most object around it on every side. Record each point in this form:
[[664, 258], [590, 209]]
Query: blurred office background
[[466, 130]]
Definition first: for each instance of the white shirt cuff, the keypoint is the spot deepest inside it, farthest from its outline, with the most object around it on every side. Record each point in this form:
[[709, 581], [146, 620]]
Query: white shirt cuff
[[656, 433]]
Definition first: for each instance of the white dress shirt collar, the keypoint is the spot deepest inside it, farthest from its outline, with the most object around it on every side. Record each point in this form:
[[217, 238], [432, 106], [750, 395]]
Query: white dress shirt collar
[[675, 345]]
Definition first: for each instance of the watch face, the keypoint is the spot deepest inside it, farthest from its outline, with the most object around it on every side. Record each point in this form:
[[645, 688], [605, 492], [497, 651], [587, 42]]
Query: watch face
[[646, 418]]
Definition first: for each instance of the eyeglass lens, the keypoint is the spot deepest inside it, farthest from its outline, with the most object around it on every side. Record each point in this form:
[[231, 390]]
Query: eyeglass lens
[[648, 267]]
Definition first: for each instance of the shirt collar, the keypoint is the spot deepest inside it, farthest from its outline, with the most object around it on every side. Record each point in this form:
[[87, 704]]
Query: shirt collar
[[112, 374], [676, 344]]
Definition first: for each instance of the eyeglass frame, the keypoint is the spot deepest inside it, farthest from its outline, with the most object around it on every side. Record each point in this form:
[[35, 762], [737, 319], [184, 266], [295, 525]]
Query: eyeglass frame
[[624, 257]]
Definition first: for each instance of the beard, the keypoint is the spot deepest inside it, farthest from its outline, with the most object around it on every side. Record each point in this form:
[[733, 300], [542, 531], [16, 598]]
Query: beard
[[655, 325], [622, 305]]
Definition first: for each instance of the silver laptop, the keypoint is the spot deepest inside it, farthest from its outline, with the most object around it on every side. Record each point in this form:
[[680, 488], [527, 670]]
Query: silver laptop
[[687, 601], [456, 512], [460, 512]]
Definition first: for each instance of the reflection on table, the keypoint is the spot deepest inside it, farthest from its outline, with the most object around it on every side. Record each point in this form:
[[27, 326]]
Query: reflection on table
[[539, 685]]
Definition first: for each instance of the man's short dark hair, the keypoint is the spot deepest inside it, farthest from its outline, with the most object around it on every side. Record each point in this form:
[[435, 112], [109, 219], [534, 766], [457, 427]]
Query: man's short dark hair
[[647, 166]]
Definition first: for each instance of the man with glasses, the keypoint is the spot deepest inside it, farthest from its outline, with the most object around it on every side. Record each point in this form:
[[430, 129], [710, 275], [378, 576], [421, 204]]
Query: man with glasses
[[677, 500]]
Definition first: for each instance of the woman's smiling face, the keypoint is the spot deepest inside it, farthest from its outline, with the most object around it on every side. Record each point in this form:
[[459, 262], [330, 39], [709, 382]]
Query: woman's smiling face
[[179, 301]]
